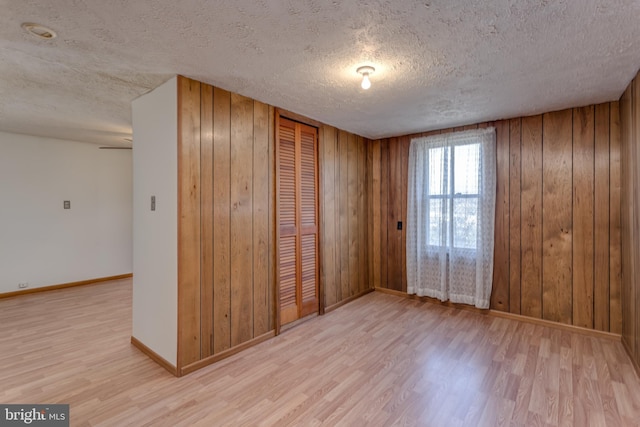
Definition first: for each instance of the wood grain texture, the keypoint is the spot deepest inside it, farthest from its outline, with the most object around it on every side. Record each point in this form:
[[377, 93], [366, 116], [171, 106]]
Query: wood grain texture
[[615, 238], [329, 244], [206, 223], [361, 227], [557, 217], [241, 219], [626, 215], [394, 214], [405, 144], [531, 208], [583, 216], [370, 213], [352, 220], [634, 289], [500, 290], [343, 214], [221, 220], [271, 289], [386, 181], [601, 219], [261, 226], [376, 204], [188, 221], [515, 225], [375, 361], [525, 161], [630, 218], [226, 214]]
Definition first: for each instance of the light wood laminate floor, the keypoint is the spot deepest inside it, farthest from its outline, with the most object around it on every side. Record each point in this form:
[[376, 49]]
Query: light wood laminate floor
[[381, 360]]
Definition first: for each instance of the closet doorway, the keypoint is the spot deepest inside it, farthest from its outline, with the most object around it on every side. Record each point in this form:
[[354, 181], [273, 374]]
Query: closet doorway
[[297, 217]]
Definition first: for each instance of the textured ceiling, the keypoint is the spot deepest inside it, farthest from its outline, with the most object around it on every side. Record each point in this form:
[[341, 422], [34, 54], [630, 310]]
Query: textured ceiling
[[438, 63]]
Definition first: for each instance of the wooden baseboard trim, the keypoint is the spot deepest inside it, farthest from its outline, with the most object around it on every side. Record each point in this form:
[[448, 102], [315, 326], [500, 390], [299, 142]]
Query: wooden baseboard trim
[[556, 325], [496, 313], [433, 301], [630, 354], [154, 356], [347, 300], [224, 354], [64, 285]]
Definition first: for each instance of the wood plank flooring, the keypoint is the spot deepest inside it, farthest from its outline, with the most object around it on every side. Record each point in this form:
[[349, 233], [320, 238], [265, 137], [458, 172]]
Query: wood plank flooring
[[381, 360]]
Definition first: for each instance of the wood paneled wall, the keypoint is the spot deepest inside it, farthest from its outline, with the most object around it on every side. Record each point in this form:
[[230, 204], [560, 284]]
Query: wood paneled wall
[[226, 229], [557, 238], [344, 215], [226, 221], [630, 125]]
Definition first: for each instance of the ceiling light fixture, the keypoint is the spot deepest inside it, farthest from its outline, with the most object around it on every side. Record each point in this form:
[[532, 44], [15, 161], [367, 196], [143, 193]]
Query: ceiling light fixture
[[365, 71], [39, 31]]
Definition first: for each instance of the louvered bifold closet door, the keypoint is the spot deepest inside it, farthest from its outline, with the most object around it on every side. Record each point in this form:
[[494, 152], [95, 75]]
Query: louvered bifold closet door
[[308, 220], [298, 217], [288, 244]]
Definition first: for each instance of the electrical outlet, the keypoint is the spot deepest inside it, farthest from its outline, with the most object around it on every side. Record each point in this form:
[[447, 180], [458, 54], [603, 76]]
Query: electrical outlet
[[66, 204], [23, 285], [153, 203]]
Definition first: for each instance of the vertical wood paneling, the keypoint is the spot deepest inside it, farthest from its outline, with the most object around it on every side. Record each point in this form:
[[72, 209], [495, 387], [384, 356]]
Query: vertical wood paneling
[[328, 244], [260, 218], [557, 217], [376, 208], [615, 238], [394, 238], [271, 288], [405, 145], [206, 224], [630, 292], [221, 220], [544, 169], [370, 212], [241, 219], [362, 228], [385, 183], [227, 223], [188, 221], [583, 216], [343, 214], [352, 209], [337, 243], [601, 220], [634, 218], [531, 208], [500, 291], [515, 226], [628, 230], [346, 248]]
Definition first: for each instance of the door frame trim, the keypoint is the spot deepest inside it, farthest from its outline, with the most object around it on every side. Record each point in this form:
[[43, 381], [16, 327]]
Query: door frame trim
[[285, 114]]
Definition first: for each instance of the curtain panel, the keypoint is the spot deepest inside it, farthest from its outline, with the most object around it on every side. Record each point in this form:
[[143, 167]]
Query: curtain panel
[[451, 216]]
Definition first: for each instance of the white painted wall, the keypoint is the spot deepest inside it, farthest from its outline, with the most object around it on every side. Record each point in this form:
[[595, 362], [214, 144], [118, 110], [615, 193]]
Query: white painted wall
[[155, 235], [43, 244]]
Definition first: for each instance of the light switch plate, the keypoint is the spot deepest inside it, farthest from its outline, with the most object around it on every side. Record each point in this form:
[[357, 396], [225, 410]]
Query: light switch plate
[[67, 204], [153, 203]]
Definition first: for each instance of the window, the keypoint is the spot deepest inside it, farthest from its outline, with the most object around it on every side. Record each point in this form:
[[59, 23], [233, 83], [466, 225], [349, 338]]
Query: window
[[453, 193], [450, 216]]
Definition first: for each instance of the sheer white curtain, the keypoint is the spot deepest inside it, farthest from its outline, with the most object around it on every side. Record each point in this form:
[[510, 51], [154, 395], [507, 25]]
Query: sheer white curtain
[[451, 216]]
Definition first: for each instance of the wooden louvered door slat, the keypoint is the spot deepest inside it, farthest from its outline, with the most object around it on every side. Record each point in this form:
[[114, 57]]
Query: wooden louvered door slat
[[308, 221], [298, 220]]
